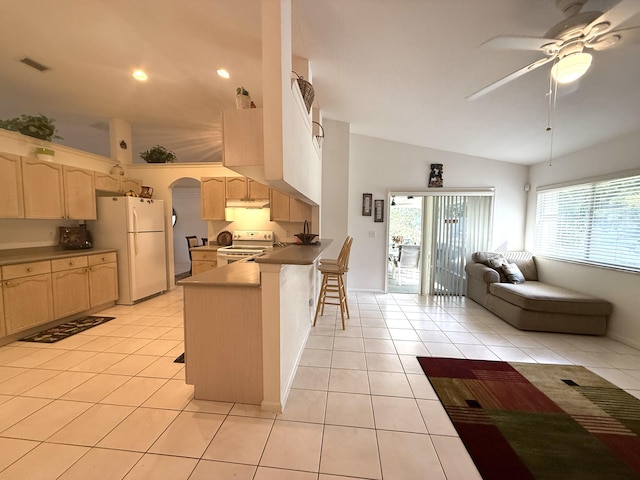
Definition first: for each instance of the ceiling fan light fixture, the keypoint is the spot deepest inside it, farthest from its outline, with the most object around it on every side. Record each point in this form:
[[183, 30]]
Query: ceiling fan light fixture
[[571, 67]]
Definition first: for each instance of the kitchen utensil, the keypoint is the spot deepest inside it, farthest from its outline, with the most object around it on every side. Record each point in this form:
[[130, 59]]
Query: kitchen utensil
[[305, 237]]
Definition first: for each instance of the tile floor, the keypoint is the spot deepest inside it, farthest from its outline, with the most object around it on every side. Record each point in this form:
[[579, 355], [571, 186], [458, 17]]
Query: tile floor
[[109, 403]]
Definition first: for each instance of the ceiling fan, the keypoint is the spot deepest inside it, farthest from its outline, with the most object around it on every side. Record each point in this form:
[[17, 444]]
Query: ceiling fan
[[565, 42]]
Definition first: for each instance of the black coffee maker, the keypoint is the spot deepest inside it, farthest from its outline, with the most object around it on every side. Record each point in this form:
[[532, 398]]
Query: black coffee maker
[[75, 238]]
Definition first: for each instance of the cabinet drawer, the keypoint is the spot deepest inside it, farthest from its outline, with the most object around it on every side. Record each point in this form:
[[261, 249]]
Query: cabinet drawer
[[210, 255], [69, 263], [25, 269], [101, 258]]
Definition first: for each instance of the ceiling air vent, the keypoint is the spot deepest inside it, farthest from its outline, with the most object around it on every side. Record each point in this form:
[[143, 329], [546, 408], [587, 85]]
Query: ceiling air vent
[[33, 64]]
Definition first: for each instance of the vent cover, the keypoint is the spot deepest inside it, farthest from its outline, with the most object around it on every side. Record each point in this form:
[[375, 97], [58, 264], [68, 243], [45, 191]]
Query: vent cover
[[33, 64]]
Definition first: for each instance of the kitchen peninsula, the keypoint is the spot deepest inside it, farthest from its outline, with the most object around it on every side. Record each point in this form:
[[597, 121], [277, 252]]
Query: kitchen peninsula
[[246, 325]]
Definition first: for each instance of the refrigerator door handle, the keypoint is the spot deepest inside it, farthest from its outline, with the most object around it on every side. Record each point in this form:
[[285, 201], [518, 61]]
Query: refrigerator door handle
[[135, 231]]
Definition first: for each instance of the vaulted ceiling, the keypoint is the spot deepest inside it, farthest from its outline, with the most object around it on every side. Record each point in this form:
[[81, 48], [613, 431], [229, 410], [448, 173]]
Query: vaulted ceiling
[[399, 70]]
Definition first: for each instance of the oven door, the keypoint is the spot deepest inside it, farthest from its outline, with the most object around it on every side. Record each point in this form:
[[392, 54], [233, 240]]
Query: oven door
[[226, 257]]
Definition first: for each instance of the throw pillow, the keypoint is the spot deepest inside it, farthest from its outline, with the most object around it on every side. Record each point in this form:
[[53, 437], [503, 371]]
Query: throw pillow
[[497, 262], [513, 273]]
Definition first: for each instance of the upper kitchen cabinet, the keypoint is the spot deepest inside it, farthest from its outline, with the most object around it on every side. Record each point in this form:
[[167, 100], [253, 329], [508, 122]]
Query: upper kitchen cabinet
[[243, 141], [11, 198], [54, 191], [212, 197], [107, 182], [42, 184], [284, 208], [79, 193], [245, 189]]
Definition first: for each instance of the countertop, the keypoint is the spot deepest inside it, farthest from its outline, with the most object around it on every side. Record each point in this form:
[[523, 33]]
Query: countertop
[[247, 273], [203, 248], [37, 254]]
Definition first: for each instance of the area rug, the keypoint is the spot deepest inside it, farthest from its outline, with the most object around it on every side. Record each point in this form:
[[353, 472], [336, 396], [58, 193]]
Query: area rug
[[531, 421], [179, 358], [55, 334]]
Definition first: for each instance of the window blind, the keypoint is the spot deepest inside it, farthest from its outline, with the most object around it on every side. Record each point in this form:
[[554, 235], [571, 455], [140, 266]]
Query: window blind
[[596, 223]]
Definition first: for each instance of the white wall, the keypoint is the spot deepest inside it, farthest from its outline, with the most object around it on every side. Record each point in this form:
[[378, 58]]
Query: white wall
[[620, 288], [377, 166], [335, 185]]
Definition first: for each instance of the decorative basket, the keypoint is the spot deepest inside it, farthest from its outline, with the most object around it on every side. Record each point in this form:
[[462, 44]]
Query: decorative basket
[[307, 91]]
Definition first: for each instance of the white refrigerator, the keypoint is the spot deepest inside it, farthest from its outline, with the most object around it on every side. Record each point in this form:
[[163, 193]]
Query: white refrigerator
[[135, 227]]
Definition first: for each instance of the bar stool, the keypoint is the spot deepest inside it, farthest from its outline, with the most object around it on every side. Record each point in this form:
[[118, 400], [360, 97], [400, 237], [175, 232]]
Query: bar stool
[[332, 286]]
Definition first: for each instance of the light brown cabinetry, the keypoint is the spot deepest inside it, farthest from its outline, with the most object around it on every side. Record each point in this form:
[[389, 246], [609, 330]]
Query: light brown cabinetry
[[212, 198], [116, 183], [28, 295], [3, 331], [70, 286], [103, 278], [79, 193], [245, 189], [42, 185], [11, 198], [243, 137], [284, 208], [203, 260]]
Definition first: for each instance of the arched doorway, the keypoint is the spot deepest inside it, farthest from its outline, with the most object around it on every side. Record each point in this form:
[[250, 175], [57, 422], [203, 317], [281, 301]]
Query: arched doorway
[[185, 198]]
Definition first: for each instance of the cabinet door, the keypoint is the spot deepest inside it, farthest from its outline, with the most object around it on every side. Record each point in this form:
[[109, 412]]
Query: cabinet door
[[199, 266], [243, 137], [103, 284], [79, 193], [11, 203], [20, 309], [236, 188], [256, 190], [70, 292], [107, 182], [299, 211], [3, 330], [127, 184], [212, 191], [43, 189], [279, 207]]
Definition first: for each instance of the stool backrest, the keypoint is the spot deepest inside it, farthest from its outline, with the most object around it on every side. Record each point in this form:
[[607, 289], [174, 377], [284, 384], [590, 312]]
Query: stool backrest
[[345, 251]]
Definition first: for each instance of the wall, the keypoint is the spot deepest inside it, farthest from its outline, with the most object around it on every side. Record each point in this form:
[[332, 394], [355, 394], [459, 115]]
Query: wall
[[377, 166], [620, 288], [335, 185]]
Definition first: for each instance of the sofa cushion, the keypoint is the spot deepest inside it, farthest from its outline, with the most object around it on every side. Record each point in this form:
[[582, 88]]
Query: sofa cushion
[[492, 260], [513, 273], [537, 296], [524, 260]]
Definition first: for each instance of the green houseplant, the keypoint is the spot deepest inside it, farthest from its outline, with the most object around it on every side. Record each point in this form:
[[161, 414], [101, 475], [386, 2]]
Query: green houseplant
[[38, 126], [158, 154]]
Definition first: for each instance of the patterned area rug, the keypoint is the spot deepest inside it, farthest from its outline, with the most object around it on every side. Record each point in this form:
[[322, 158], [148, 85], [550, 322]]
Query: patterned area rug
[[55, 334], [179, 358], [530, 421]]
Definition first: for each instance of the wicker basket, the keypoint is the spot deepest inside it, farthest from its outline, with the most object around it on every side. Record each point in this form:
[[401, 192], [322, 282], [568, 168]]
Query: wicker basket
[[307, 92]]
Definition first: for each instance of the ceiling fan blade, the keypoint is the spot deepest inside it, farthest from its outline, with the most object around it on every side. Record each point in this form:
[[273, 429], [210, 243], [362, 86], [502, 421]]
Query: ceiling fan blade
[[616, 38], [507, 42], [616, 15], [513, 76]]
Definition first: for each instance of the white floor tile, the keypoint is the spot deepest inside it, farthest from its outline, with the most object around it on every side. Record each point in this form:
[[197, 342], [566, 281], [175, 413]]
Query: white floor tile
[[240, 440], [350, 451], [293, 445]]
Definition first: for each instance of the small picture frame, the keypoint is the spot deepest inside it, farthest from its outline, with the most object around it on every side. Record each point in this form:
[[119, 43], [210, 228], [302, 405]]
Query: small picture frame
[[378, 211], [435, 175], [367, 201]]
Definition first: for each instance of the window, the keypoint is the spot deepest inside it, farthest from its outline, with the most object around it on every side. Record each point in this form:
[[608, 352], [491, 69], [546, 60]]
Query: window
[[597, 223]]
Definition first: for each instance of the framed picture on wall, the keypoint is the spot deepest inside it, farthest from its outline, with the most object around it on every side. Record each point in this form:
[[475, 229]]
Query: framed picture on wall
[[378, 211], [367, 198], [435, 175]]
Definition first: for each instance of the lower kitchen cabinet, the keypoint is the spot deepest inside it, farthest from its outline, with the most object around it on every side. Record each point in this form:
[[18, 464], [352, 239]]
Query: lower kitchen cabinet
[[36, 293], [103, 279], [70, 286], [28, 295], [201, 261]]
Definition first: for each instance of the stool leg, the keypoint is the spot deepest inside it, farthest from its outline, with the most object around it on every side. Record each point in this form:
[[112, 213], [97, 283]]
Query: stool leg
[[342, 299], [321, 296]]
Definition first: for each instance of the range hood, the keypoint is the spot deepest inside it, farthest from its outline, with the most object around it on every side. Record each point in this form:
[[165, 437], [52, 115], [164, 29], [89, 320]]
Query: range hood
[[264, 203]]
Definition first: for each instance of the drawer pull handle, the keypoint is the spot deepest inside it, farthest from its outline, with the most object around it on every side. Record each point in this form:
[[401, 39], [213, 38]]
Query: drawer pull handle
[[71, 263], [29, 269], [103, 259]]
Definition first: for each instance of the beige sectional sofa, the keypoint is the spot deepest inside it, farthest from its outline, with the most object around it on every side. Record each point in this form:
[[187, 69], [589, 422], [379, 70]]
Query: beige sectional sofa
[[532, 305]]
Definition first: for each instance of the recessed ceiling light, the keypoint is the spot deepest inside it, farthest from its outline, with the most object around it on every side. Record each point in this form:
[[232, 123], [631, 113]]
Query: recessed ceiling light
[[139, 75], [223, 73]]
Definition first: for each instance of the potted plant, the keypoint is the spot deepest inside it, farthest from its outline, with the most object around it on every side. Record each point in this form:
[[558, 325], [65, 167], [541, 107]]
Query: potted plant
[[39, 126], [158, 154]]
